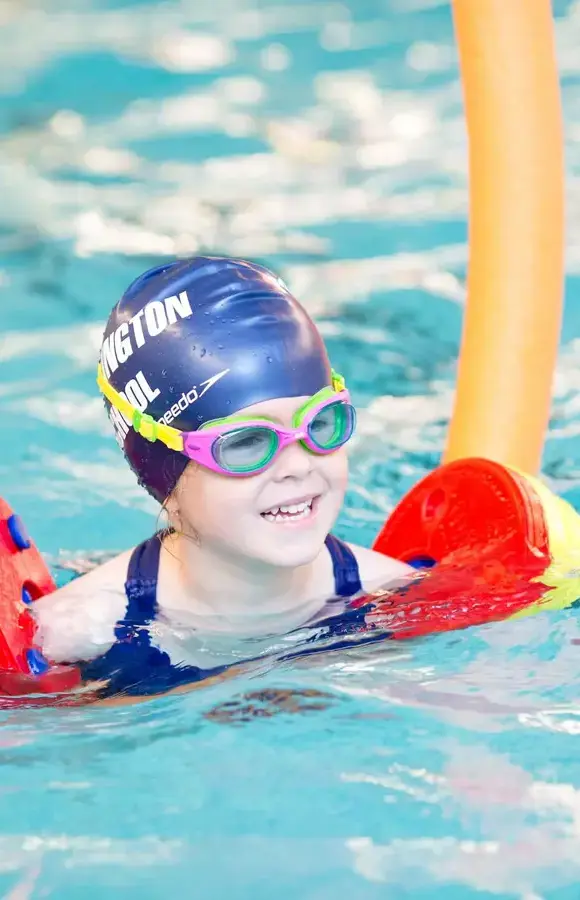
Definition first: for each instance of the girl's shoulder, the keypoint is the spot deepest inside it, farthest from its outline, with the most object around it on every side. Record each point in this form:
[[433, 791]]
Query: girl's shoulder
[[77, 622], [377, 570]]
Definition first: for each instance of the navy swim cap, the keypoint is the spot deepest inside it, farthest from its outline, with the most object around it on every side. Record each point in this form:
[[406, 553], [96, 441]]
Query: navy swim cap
[[200, 339]]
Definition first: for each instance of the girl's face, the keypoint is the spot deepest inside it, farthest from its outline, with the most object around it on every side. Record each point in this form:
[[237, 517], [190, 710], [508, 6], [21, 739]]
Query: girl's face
[[280, 516]]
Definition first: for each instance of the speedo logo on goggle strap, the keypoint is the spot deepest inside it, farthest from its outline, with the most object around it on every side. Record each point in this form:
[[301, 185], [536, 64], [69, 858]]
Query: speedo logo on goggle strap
[[149, 322]]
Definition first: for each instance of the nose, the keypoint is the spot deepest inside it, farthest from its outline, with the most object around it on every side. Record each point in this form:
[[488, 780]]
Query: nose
[[294, 461]]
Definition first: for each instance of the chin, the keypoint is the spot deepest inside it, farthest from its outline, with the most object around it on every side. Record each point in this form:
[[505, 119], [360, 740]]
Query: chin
[[287, 558], [291, 557], [290, 550]]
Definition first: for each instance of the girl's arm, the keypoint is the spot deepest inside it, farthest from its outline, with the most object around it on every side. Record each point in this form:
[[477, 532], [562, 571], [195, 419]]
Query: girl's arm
[[77, 622], [377, 570]]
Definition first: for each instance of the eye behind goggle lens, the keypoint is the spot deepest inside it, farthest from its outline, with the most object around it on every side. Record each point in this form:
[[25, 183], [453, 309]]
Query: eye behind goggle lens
[[245, 449], [333, 425]]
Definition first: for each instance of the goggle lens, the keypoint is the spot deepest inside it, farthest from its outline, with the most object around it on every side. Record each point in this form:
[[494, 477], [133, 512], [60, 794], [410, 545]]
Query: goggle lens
[[245, 449], [332, 426]]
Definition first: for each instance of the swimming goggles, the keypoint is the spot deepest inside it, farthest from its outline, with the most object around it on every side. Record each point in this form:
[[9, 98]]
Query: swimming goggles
[[246, 445]]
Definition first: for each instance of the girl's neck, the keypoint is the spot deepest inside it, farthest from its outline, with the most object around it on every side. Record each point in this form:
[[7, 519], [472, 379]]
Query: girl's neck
[[220, 592]]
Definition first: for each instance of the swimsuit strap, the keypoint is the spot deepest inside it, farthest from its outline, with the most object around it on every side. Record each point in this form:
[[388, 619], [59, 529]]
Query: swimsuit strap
[[346, 573], [132, 665], [141, 590]]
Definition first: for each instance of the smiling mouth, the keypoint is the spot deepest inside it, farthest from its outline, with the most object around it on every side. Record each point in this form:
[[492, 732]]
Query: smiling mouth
[[291, 512]]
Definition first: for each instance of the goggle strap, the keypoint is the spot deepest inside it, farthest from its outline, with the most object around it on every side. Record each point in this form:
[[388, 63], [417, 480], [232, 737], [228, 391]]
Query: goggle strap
[[338, 382], [143, 424]]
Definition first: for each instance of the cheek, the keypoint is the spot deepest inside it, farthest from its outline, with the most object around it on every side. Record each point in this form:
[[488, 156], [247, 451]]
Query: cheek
[[334, 468], [212, 503]]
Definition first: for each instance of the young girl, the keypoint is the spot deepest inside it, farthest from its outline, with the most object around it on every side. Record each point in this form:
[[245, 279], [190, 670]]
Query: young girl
[[225, 405]]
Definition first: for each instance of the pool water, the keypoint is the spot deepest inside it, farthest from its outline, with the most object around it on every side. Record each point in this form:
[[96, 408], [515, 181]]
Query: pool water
[[326, 139]]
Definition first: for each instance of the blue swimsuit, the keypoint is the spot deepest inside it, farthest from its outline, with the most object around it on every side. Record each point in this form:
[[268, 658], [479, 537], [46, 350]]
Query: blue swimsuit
[[134, 666]]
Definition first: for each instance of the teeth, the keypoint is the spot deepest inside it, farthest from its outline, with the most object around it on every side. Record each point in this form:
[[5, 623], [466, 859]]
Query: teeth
[[284, 513]]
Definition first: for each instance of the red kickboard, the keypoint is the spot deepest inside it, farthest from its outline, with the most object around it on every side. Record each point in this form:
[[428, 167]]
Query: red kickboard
[[461, 507], [24, 577], [483, 528]]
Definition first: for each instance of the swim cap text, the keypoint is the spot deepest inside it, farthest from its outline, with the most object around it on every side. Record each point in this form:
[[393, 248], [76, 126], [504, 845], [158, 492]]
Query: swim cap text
[[150, 321], [139, 393]]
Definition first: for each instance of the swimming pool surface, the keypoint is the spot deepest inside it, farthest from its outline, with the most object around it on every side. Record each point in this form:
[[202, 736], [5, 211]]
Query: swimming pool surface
[[326, 139]]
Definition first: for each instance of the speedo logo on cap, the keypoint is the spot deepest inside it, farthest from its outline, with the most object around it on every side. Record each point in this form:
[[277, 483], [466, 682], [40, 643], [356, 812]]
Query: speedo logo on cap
[[186, 399], [149, 322]]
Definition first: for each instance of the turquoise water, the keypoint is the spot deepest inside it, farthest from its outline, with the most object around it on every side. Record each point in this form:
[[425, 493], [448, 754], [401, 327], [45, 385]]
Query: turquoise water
[[326, 139]]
